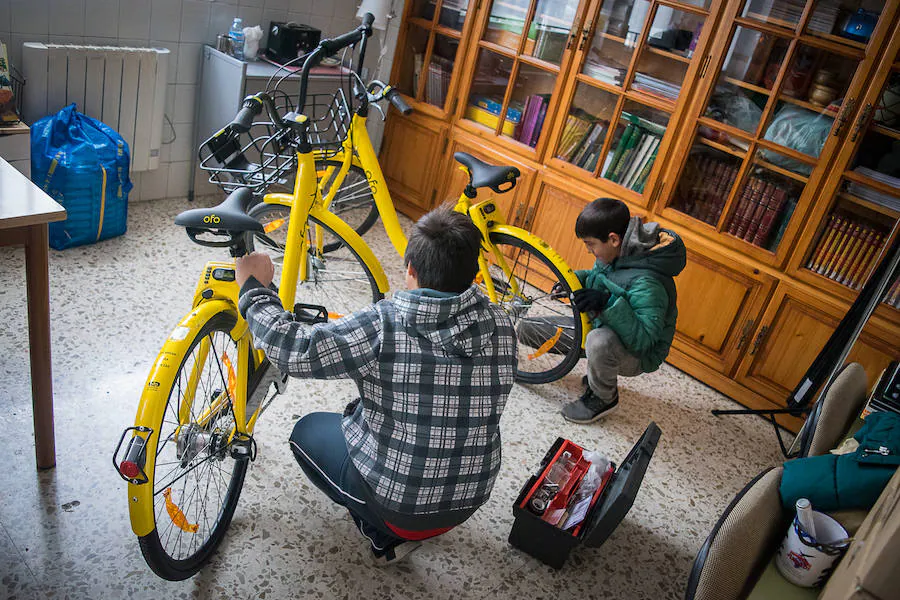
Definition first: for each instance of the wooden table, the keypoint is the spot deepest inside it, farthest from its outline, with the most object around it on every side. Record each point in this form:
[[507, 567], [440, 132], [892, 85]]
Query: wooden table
[[25, 211]]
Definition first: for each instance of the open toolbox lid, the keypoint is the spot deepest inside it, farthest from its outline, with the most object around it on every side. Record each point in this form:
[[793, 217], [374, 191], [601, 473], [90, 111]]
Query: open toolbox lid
[[617, 499]]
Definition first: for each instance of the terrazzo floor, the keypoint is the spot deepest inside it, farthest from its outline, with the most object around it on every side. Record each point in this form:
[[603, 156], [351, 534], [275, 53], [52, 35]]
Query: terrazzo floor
[[64, 533]]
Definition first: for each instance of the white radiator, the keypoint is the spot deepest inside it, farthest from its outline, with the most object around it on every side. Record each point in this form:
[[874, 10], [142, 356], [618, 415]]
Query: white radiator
[[124, 88]]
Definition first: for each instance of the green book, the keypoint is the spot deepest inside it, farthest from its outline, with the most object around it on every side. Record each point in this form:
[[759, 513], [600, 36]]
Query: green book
[[637, 134], [620, 148], [645, 172]]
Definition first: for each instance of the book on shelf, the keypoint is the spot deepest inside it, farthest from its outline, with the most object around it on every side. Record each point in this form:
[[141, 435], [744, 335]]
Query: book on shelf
[[836, 245], [539, 124], [532, 121], [578, 126], [750, 202], [640, 158], [773, 208], [439, 71], [593, 142], [853, 264], [624, 139], [720, 194], [766, 195], [627, 155], [782, 221], [740, 206], [893, 296], [847, 249], [644, 174]]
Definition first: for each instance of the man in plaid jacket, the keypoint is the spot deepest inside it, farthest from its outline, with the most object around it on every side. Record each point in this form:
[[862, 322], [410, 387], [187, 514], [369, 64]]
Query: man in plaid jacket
[[418, 452]]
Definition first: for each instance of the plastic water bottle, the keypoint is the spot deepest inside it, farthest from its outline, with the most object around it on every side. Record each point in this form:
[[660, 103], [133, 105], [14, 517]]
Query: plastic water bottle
[[237, 36], [805, 516]]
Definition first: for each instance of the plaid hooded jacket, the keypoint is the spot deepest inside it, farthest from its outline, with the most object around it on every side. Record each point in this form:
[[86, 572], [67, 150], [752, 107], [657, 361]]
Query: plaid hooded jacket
[[433, 374]]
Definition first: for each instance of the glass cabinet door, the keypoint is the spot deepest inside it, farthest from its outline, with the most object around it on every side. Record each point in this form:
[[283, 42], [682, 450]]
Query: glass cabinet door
[[428, 50], [523, 47], [783, 87], [859, 211], [632, 62]]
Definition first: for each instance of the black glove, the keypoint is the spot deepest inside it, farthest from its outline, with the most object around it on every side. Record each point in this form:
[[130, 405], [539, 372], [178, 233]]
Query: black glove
[[589, 300], [351, 408]]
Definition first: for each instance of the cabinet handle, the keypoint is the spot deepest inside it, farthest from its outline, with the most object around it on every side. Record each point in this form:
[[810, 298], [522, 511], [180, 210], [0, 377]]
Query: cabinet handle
[[759, 338], [571, 41], [705, 66], [748, 327], [518, 214], [863, 118], [528, 214], [585, 32], [842, 117]]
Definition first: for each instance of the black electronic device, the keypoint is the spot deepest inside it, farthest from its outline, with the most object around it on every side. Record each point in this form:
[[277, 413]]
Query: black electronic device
[[289, 40]]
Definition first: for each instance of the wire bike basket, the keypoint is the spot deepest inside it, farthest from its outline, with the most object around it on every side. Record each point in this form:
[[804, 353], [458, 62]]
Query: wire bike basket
[[266, 154]]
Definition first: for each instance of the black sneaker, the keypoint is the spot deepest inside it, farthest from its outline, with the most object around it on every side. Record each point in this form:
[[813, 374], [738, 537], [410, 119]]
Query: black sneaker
[[589, 408]]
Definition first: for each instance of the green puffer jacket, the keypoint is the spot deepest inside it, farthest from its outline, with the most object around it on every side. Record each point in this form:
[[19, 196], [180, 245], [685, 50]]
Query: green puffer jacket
[[642, 307]]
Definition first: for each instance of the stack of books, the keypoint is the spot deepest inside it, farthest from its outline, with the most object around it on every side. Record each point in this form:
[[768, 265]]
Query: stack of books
[[439, 71], [601, 71], [704, 188], [847, 249], [529, 129], [630, 162], [763, 207], [582, 139], [872, 195], [656, 87]]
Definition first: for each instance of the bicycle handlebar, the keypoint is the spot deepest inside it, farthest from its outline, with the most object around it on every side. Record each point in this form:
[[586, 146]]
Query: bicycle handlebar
[[252, 107], [397, 100]]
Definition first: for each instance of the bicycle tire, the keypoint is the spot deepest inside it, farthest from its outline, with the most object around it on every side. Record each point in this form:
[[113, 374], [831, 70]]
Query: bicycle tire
[[537, 317], [172, 552], [339, 280]]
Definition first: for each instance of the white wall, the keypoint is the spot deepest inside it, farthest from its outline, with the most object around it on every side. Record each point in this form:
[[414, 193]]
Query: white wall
[[182, 26]]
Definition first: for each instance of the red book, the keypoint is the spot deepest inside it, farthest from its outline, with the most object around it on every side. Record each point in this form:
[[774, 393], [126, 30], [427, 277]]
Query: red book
[[773, 210], [837, 247], [853, 263], [827, 236], [841, 225], [722, 196], [767, 196], [755, 198], [841, 263], [862, 272], [742, 205], [709, 191]]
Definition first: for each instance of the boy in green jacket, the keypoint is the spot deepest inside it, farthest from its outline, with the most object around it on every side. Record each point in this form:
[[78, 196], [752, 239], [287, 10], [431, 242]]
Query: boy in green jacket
[[630, 297]]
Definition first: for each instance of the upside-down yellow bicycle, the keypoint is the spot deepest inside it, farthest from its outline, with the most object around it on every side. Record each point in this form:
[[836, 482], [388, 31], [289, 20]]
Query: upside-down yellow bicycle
[[187, 454]]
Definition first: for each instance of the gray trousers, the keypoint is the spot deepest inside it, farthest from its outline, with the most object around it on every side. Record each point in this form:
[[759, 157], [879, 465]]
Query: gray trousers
[[607, 358]]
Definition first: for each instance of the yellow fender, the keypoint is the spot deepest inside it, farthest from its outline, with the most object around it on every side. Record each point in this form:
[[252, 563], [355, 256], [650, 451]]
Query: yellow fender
[[154, 398], [353, 239], [554, 257]]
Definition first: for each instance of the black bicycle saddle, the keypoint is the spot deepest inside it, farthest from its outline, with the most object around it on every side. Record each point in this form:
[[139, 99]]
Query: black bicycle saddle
[[485, 175], [230, 215]]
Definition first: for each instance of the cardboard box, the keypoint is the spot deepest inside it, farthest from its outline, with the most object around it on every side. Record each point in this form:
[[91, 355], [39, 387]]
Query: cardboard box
[[551, 544], [869, 569]]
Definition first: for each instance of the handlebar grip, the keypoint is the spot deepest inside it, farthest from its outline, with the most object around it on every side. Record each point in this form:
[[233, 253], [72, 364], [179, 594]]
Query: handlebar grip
[[251, 107], [368, 19], [397, 100]]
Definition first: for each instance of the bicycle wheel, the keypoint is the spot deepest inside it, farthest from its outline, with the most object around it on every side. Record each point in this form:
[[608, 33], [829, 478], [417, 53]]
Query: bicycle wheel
[[353, 203], [339, 280], [196, 482], [548, 327]]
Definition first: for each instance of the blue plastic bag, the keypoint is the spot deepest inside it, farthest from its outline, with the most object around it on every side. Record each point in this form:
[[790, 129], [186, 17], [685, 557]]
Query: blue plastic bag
[[82, 164]]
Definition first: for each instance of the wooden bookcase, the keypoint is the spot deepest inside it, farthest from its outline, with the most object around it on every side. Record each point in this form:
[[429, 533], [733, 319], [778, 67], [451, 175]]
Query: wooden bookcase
[[762, 131]]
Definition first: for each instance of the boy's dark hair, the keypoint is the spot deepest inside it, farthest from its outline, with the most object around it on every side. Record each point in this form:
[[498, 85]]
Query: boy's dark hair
[[602, 217], [443, 250]]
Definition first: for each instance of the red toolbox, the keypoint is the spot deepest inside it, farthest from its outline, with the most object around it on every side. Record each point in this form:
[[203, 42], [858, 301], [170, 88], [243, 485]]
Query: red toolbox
[[541, 500]]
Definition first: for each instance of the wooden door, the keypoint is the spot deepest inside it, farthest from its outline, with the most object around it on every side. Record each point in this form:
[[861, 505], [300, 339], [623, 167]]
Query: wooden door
[[720, 302], [410, 161], [511, 204], [793, 331]]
